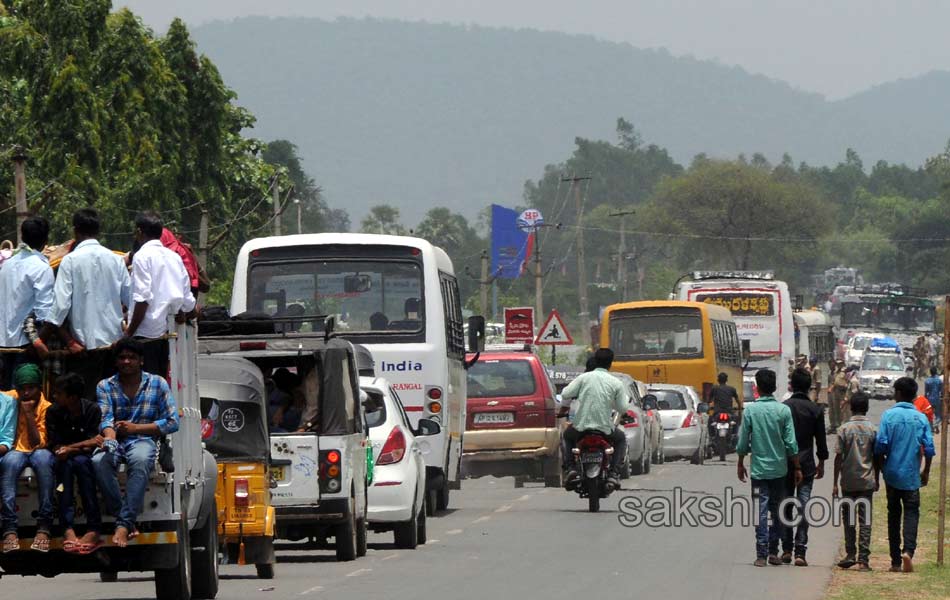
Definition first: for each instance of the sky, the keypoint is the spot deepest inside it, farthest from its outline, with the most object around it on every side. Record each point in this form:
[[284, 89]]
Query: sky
[[832, 47]]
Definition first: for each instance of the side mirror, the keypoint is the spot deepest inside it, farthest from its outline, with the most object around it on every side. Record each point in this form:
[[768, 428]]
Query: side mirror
[[476, 333], [428, 427], [664, 405], [702, 407], [650, 402]]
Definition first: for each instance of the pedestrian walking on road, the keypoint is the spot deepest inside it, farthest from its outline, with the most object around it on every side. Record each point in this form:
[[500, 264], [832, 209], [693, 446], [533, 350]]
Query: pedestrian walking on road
[[816, 385], [809, 423], [904, 432], [839, 392], [859, 473], [933, 390], [768, 433], [854, 386]]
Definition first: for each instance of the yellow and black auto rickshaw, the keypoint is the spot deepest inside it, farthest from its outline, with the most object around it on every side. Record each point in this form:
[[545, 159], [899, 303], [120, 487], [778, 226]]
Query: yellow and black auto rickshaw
[[234, 430]]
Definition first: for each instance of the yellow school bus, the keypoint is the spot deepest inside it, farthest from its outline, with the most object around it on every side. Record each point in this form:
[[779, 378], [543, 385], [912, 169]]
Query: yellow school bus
[[672, 341]]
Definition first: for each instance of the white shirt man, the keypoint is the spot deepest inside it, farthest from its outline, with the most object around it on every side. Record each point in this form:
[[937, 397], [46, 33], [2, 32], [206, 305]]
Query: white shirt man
[[159, 279]]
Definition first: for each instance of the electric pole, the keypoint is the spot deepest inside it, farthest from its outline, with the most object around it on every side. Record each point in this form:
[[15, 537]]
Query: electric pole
[[275, 190], [483, 284], [622, 253], [581, 266], [299, 215], [538, 287], [19, 182], [942, 491]]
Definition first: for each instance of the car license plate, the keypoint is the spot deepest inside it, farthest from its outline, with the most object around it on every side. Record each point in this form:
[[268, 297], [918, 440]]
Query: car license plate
[[494, 418], [591, 457], [277, 473]]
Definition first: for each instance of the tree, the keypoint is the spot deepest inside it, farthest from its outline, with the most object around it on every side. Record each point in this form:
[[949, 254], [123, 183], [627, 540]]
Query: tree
[[384, 219], [316, 216]]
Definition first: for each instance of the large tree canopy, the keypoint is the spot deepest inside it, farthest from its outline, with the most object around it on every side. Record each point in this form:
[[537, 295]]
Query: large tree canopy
[[112, 116]]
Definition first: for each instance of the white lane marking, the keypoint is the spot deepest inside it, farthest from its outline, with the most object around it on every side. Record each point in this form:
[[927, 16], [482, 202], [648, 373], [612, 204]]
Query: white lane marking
[[454, 531], [358, 572], [315, 588], [481, 519], [525, 497], [504, 508], [391, 556], [432, 542]]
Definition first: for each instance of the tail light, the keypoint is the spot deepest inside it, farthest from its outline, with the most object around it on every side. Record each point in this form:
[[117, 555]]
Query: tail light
[[688, 420], [593, 442], [333, 457], [435, 407], [207, 428], [247, 346], [330, 471], [242, 493], [632, 420], [394, 448], [723, 417], [434, 393]]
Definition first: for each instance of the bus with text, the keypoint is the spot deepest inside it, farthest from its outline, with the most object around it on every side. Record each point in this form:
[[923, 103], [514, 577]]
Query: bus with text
[[762, 309], [671, 341], [398, 297]]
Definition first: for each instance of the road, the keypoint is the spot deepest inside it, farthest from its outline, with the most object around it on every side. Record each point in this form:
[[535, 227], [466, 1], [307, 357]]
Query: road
[[498, 541]]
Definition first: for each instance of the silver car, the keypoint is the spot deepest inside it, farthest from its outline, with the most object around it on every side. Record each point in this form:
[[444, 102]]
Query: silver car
[[643, 429], [684, 426], [879, 371]]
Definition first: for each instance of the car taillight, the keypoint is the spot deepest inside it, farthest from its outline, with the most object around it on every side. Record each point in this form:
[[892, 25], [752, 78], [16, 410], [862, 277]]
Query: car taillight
[[242, 493], [688, 421], [333, 457], [394, 448], [632, 422]]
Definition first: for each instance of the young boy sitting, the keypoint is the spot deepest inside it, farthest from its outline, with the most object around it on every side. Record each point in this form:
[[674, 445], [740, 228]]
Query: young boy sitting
[[72, 429]]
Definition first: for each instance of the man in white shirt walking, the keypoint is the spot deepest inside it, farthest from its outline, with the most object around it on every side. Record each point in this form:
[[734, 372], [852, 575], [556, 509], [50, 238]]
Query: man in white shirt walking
[[160, 287], [92, 286]]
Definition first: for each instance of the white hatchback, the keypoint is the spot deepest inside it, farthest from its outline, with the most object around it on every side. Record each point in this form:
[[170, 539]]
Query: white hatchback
[[396, 498]]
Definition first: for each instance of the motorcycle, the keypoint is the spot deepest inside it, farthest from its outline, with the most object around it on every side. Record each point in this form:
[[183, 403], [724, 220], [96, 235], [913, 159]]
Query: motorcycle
[[723, 426], [592, 456]]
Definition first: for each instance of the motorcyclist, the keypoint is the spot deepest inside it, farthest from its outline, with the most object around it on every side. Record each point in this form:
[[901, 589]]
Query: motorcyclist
[[597, 394], [723, 398]]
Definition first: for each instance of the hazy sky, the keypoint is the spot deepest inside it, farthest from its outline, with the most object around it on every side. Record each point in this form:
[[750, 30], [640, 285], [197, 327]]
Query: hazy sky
[[834, 47]]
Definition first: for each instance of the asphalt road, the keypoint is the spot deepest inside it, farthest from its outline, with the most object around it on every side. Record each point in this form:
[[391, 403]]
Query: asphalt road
[[498, 541]]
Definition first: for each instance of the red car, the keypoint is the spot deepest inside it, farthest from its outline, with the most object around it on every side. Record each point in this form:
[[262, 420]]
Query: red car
[[511, 428]]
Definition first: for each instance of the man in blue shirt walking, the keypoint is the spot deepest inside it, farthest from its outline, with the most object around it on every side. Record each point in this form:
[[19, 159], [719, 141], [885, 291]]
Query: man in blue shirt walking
[[903, 433], [933, 390]]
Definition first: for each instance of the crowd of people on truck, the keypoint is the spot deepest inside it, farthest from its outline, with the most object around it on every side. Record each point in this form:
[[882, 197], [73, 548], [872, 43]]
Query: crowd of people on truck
[[111, 404]]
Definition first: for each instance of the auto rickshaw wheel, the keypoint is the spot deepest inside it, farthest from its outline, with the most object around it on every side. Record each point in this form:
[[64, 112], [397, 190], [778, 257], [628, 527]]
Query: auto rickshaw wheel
[[265, 571]]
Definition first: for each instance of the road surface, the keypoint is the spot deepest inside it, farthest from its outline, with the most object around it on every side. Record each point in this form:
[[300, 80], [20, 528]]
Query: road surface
[[502, 542]]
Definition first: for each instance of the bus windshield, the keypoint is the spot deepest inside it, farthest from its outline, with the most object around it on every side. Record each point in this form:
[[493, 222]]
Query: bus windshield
[[368, 296], [855, 314], [652, 333]]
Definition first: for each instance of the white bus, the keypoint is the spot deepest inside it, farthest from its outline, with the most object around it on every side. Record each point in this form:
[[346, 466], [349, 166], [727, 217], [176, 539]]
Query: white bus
[[398, 297], [762, 309]]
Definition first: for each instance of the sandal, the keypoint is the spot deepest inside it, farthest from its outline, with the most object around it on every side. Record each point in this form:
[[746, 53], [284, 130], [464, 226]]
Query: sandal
[[89, 548], [72, 546], [11, 544], [40, 545]]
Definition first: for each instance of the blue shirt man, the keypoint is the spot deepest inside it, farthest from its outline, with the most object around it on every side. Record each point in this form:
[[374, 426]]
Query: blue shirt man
[[26, 284], [933, 390], [903, 433]]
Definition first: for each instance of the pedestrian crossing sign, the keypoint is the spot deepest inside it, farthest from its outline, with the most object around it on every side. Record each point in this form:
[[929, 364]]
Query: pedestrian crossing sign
[[554, 333]]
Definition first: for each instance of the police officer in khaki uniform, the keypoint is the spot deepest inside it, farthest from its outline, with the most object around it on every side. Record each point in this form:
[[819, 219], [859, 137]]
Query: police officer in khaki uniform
[[854, 386], [816, 384], [839, 391]]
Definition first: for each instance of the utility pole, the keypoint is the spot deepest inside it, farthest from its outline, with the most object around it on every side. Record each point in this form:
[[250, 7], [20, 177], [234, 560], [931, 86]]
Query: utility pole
[[299, 215], [538, 287], [483, 284], [275, 190], [622, 253], [581, 266], [19, 183], [942, 494], [203, 245]]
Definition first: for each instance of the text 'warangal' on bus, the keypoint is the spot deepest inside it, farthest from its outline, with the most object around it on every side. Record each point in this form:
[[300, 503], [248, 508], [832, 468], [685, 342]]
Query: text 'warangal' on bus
[[673, 341], [397, 296]]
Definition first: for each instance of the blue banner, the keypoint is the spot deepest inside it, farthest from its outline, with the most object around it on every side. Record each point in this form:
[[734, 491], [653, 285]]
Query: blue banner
[[508, 243]]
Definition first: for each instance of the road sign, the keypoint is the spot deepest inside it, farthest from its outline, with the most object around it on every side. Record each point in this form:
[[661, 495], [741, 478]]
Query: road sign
[[519, 325], [529, 220], [554, 333]]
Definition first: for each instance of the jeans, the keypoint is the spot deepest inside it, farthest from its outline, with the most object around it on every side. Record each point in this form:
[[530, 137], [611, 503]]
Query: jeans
[[860, 524], [769, 494], [12, 464], [139, 457], [77, 469], [617, 439], [908, 502], [800, 534]]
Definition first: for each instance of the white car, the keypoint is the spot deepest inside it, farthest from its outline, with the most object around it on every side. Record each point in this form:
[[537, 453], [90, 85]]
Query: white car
[[684, 427], [396, 498], [854, 354]]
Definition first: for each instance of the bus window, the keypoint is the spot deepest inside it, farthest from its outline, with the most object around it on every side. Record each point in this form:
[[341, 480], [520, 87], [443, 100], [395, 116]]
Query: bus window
[[657, 333], [452, 309]]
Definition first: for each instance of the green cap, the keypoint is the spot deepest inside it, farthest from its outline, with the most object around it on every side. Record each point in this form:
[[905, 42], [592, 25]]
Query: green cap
[[28, 374]]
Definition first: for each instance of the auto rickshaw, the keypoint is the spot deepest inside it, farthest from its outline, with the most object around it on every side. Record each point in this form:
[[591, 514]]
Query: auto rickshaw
[[234, 430]]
